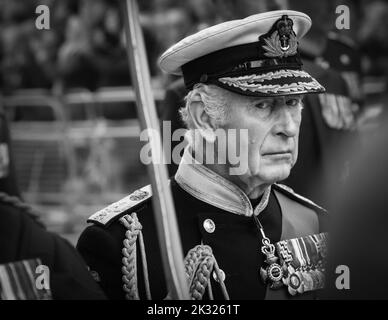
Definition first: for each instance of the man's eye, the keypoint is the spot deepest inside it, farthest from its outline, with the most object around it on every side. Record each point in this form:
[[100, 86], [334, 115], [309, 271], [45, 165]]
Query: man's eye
[[263, 105], [292, 102]]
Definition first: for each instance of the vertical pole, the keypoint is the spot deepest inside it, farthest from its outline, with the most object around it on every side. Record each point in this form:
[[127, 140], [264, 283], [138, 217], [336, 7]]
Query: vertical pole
[[164, 210]]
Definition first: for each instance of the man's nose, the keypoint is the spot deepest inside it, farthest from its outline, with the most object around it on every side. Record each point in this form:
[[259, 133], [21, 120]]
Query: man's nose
[[288, 121]]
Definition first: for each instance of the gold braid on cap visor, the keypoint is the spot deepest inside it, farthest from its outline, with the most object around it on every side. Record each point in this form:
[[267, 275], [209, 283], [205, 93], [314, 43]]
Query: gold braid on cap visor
[[255, 82]]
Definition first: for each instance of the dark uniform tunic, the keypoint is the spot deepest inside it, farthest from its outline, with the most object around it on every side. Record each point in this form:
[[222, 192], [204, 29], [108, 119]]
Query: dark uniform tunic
[[23, 239], [358, 260], [201, 197]]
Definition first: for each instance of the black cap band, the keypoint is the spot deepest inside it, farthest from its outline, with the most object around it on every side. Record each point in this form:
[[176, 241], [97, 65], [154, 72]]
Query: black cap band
[[235, 61]]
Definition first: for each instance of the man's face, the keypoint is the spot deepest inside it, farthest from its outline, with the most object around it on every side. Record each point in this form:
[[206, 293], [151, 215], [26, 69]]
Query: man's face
[[273, 131]]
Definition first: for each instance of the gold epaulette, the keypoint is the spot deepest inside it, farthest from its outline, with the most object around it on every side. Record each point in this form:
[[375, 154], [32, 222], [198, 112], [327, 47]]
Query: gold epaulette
[[289, 191], [116, 209]]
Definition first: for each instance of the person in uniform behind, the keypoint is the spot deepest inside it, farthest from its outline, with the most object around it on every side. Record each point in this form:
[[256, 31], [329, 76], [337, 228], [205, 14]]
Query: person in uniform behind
[[357, 260], [244, 235], [34, 263]]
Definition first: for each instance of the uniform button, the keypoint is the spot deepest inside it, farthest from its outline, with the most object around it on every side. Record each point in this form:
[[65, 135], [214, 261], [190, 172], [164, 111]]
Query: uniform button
[[222, 274], [209, 225]]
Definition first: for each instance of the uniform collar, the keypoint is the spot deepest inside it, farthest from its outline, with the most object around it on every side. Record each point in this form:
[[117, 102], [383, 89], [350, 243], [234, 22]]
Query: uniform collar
[[208, 186]]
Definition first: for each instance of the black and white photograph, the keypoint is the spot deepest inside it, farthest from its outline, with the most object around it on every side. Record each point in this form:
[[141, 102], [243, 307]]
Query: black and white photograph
[[194, 155]]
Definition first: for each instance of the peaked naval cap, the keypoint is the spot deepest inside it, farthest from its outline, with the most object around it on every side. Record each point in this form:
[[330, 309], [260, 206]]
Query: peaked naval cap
[[255, 56]]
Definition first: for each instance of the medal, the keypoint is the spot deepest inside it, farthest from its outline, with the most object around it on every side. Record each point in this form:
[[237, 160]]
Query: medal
[[303, 262], [273, 272]]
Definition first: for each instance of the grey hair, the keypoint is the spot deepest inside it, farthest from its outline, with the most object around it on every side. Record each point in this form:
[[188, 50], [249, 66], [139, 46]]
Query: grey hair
[[215, 100]]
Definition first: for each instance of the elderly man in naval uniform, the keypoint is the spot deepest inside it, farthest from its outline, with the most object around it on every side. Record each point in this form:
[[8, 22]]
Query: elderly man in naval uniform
[[244, 236]]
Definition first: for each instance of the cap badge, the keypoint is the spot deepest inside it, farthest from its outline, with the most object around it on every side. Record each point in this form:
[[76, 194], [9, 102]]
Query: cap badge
[[282, 42]]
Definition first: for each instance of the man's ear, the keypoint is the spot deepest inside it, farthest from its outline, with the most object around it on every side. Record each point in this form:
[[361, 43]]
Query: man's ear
[[202, 121]]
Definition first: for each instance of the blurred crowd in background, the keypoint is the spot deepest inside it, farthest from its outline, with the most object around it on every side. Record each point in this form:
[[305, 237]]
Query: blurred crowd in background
[[86, 154], [85, 46]]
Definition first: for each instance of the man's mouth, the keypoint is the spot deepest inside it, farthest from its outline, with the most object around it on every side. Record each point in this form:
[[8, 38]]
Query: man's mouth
[[272, 153], [281, 155]]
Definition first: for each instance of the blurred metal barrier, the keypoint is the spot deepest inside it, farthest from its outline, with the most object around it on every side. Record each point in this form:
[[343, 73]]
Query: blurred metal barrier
[[62, 159], [42, 149]]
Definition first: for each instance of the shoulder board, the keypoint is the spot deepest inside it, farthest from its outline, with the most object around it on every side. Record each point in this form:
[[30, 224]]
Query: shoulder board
[[105, 216], [297, 197]]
